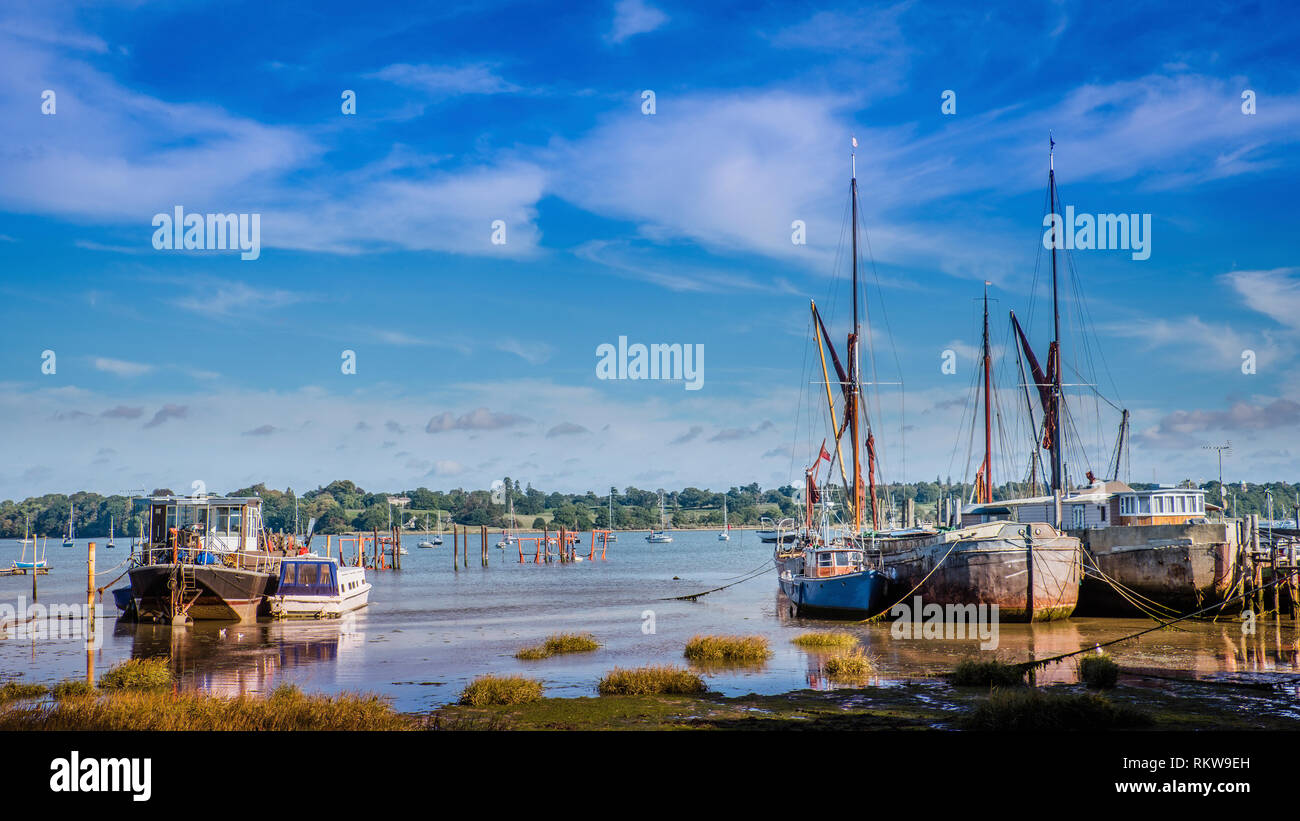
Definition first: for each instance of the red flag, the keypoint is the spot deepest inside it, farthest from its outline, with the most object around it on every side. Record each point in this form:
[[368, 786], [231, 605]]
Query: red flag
[[824, 454]]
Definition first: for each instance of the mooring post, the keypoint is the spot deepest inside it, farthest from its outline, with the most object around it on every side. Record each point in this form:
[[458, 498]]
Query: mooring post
[[34, 569], [546, 542], [1257, 573], [90, 591], [455, 548]]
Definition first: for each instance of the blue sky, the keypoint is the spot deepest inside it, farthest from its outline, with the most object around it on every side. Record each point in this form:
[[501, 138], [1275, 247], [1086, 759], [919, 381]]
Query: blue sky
[[477, 360]]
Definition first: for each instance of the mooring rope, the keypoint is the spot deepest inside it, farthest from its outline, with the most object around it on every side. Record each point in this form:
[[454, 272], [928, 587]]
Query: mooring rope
[[1030, 665], [694, 596], [955, 542]]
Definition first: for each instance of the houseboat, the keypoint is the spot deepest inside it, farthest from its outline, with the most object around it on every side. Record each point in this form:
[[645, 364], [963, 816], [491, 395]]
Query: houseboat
[[204, 557], [317, 587], [1160, 543]]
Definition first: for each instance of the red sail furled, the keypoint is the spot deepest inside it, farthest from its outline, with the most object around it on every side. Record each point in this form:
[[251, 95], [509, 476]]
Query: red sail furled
[[812, 496], [871, 472], [1049, 413], [1042, 381], [835, 358]]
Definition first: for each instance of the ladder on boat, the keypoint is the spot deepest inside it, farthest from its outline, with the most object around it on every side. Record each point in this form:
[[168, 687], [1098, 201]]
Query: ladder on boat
[[185, 590]]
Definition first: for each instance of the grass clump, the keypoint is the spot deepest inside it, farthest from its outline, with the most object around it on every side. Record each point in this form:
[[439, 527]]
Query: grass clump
[[72, 688], [1100, 672], [971, 672], [644, 681], [848, 667], [558, 644], [727, 649], [488, 690], [138, 674], [832, 639], [1024, 709], [286, 708], [17, 691]]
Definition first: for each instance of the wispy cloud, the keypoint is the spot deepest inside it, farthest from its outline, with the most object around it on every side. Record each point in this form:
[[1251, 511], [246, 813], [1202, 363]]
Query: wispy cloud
[[633, 17], [120, 367], [167, 412], [446, 81], [477, 419]]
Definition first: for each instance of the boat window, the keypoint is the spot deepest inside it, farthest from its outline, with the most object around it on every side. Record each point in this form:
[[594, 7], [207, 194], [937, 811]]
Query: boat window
[[824, 559], [235, 516], [326, 577], [855, 558], [289, 574], [307, 574]]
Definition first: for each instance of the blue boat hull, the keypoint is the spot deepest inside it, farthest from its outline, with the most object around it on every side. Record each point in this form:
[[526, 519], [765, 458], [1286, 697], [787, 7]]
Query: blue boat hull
[[859, 594]]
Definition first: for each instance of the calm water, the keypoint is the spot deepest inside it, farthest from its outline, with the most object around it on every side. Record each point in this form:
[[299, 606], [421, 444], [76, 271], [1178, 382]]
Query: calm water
[[430, 629]]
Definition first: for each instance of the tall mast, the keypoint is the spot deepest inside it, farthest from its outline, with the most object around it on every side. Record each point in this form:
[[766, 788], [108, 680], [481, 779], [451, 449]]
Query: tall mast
[[1058, 443], [852, 398], [988, 403]]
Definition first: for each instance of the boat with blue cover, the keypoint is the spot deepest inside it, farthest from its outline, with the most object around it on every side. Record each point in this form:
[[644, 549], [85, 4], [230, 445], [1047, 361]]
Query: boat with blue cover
[[318, 587]]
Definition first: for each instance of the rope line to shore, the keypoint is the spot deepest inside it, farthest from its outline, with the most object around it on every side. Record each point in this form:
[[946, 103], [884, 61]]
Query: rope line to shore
[[1031, 665], [918, 584], [694, 596]]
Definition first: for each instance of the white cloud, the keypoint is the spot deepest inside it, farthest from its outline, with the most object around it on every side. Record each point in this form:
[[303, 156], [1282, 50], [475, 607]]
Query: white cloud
[[120, 367], [446, 81], [633, 17]]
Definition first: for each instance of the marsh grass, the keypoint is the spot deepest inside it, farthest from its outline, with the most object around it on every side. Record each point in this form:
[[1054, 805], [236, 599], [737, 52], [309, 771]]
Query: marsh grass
[[558, 644], [830, 639], [1026, 709], [73, 688], [138, 674], [643, 681], [17, 691], [488, 690], [727, 649], [849, 667], [286, 708], [972, 672], [1100, 672]]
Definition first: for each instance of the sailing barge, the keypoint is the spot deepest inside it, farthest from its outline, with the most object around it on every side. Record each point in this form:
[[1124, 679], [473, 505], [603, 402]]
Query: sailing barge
[[204, 557], [1030, 573]]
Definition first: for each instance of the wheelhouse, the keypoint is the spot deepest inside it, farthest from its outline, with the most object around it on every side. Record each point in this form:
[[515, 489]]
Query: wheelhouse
[[204, 524], [825, 562], [308, 577]]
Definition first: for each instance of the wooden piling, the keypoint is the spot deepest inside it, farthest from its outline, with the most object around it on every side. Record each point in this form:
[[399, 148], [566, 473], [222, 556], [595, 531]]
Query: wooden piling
[[455, 547], [90, 588]]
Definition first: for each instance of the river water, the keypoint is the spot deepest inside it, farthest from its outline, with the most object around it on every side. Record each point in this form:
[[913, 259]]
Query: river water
[[431, 628]]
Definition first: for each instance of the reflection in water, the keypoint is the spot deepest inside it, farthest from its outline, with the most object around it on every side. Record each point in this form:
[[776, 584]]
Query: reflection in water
[[233, 659], [430, 629], [1214, 650]]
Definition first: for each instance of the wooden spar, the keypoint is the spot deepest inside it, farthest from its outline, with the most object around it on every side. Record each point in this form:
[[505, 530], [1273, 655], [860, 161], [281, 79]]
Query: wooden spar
[[830, 400]]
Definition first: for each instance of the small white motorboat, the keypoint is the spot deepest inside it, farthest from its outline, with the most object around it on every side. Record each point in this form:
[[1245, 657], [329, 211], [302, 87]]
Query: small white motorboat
[[317, 587]]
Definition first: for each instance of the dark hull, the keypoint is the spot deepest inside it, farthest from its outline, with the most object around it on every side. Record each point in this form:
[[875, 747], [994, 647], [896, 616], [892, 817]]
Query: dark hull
[[988, 564], [223, 593], [854, 595], [1183, 567]]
